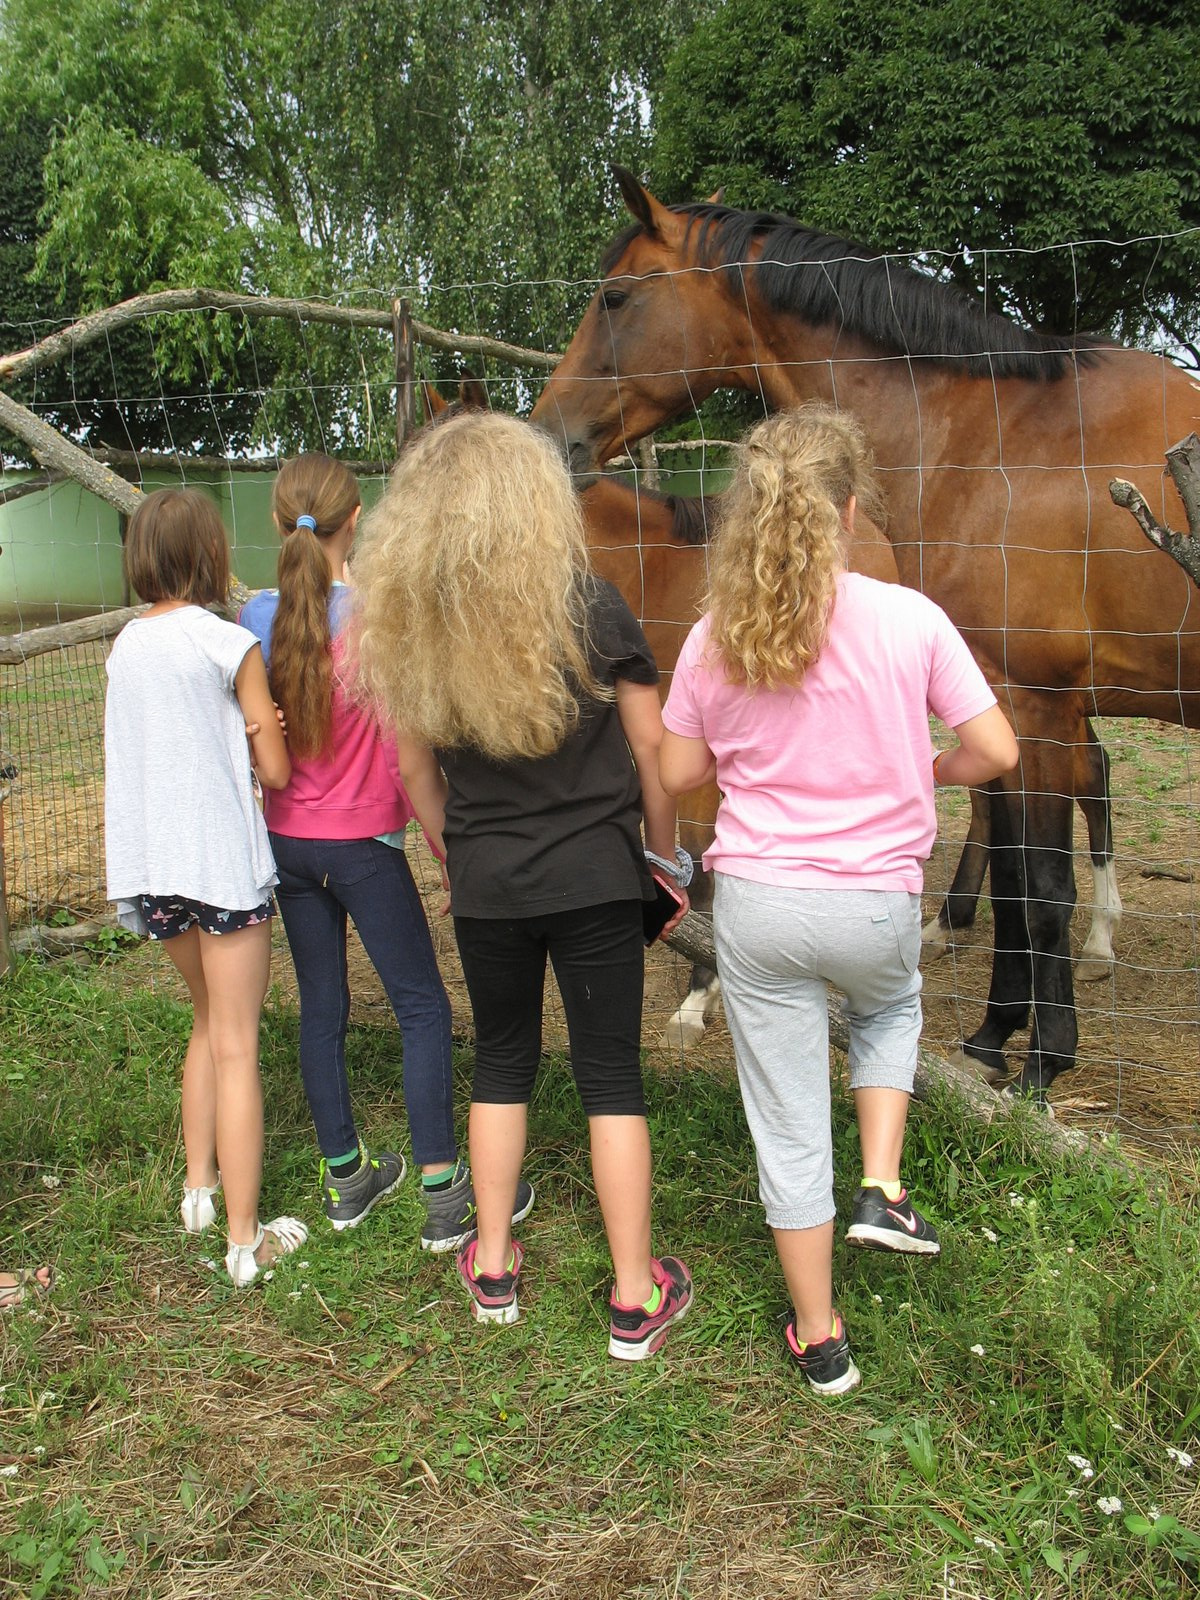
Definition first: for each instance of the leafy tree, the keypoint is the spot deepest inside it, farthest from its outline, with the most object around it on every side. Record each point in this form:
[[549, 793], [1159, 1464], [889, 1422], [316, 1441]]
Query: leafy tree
[[451, 150], [1009, 141]]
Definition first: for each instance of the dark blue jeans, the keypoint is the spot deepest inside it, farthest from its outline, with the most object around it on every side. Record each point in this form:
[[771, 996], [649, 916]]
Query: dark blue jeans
[[321, 882]]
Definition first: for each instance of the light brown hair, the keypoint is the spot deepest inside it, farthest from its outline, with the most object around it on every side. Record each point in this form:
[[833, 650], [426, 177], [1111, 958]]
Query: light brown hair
[[301, 669], [473, 574], [176, 548], [780, 545]]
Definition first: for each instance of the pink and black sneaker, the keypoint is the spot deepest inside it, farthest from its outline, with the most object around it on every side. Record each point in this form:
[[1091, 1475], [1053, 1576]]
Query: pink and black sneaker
[[492, 1299], [828, 1364], [878, 1223], [634, 1332]]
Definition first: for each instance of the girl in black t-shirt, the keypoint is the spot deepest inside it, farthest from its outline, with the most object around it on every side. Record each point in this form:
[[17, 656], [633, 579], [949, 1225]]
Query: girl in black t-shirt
[[526, 699]]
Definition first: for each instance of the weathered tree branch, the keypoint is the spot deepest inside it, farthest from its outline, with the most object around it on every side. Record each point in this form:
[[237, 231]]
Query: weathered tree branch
[[100, 324], [55, 453], [693, 939], [1183, 463]]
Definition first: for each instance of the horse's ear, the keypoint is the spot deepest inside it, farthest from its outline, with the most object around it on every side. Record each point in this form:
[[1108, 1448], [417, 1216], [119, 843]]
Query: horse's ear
[[434, 403], [472, 393], [641, 202], [717, 197]]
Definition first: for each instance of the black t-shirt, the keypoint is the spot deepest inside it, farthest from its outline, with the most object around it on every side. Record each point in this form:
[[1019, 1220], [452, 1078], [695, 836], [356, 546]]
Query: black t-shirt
[[562, 831]]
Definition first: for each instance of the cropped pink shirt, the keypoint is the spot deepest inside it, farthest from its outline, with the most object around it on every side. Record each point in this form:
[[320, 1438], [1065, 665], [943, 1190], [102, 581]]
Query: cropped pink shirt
[[829, 784]]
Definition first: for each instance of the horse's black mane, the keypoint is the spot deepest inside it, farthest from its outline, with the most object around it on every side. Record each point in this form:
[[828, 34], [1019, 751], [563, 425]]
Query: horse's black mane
[[690, 518], [882, 299]]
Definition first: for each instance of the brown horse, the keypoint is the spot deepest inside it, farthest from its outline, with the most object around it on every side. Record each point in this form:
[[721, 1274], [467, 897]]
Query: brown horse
[[995, 447]]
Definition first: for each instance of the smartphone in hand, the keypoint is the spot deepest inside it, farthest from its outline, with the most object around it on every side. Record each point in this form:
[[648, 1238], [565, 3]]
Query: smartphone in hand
[[658, 912]]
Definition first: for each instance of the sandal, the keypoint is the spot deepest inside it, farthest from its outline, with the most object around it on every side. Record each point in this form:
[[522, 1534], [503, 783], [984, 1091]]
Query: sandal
[[284, 1235], [197, 1209], [25, 1285]]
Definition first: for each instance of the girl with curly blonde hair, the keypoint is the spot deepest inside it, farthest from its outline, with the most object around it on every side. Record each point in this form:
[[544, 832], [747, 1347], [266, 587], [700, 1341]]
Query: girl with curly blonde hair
[[525, 698], [805, 691]]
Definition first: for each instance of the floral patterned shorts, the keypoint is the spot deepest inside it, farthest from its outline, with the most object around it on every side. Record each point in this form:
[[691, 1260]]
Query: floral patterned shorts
[[167, 916]]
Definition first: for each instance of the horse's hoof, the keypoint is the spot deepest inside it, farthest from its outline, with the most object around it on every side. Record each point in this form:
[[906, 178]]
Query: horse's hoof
[[1093, 969], [681, 1033], [994, 1069], [935, 941]]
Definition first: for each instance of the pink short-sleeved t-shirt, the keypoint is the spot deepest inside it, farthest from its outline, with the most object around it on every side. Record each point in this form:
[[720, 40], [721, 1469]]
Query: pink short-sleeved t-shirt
[[829, 784]]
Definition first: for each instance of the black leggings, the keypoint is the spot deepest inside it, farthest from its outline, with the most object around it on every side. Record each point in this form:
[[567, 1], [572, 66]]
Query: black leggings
[[598, 956]]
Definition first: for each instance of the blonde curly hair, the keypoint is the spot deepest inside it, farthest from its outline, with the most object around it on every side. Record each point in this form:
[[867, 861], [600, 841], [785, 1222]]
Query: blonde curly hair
[[780, 545], [473, 576]]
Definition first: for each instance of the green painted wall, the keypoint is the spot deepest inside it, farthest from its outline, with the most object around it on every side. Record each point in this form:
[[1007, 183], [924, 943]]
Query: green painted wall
[[60, 550]]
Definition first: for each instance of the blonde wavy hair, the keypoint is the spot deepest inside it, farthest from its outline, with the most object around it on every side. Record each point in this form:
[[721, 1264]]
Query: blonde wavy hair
[[473, 578], [301, 671], [780, 545]]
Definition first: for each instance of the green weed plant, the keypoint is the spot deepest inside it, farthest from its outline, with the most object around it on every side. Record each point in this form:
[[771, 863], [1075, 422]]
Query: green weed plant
[[1027, 1424]]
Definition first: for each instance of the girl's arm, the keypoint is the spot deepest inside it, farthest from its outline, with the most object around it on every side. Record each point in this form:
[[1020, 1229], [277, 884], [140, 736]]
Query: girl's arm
[[986, 747], [685, 764], [641, 723], [268, 748], [425, 784]]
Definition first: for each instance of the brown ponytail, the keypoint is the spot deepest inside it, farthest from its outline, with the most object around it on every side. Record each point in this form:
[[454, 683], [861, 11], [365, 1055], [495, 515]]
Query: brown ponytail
[[318, 489]]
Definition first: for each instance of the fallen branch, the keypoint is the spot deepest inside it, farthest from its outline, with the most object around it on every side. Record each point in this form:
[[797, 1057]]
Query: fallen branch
[[693, 939], [1183, 463]]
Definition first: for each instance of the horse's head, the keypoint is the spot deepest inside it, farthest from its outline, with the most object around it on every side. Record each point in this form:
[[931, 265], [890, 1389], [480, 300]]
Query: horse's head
[[654, 341]]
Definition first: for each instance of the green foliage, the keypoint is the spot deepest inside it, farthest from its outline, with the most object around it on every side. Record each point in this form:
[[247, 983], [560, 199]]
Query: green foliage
[[1043, 1370], [962, 125], [452, 151]]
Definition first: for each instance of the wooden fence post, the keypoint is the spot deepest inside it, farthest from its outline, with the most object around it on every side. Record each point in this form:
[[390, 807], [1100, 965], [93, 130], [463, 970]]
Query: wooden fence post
[[402, 345]]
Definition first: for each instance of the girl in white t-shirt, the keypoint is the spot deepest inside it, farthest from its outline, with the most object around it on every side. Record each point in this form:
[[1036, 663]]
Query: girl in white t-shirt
[[805, 692], [187, 852]]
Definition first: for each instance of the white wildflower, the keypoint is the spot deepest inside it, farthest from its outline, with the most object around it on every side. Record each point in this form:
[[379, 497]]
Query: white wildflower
[[977, 1350], [1016, 1201], [1079, 1462], [991, 1237], [303, 1265], [1110, 1505], [1154, 1513], [1180, 1457], [988, 1544], [49, 1181], [878, 1299], [9, 1471], [1072, 1494]]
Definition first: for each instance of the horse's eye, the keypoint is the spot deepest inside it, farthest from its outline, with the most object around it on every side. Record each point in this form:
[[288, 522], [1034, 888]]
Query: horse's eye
[[610, 299]]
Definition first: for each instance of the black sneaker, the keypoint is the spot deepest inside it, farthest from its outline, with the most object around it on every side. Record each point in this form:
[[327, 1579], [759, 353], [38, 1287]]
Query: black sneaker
[[828, 1366], [450, 1212], [348, 1200], [882, 1224], [492, 1299], [634, 1333]]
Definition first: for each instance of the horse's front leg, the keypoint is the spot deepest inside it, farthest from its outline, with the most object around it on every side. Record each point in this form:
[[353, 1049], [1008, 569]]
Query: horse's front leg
[[1033, 895], [1096, 959], [686, 1026]]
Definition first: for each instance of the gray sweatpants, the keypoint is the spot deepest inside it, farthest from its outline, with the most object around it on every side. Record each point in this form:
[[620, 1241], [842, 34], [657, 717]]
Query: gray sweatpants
[[777, 951]]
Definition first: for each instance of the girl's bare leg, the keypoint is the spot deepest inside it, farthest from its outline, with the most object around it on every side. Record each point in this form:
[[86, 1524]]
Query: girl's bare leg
[[496, 1139], [882, 1114], [199, 1089], [621, 1173], [237, 967], [806, 1256]]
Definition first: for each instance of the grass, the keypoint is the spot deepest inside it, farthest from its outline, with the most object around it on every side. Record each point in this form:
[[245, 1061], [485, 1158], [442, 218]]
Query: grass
[[346, 1429]]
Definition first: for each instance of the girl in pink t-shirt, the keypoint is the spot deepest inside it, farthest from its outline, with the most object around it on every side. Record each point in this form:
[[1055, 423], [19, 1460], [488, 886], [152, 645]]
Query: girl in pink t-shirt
[[805, 692]]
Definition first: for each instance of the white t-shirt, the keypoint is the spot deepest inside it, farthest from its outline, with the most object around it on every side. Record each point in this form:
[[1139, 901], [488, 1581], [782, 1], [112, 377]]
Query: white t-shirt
[[180, 817], [830, 784]]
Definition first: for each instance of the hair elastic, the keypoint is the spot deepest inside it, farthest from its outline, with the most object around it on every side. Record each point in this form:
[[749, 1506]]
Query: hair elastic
[[305, 521]]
